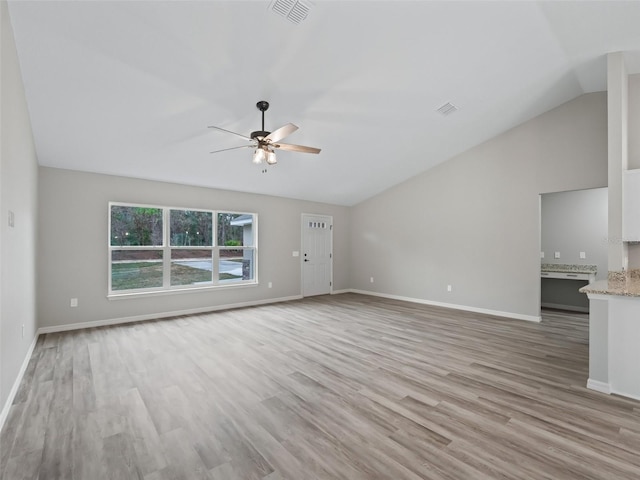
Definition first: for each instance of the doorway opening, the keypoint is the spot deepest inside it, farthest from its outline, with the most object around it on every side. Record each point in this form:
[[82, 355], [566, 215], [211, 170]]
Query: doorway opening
[[573, 246]]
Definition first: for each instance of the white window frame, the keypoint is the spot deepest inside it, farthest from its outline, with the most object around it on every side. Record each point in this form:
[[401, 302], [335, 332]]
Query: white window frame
[[166, 250]]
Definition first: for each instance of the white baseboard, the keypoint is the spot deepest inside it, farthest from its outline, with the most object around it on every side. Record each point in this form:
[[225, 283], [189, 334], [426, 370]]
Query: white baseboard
[[497, 313], [338, 292], [599, 386], [139, 318], [625, 394], [4, 413]]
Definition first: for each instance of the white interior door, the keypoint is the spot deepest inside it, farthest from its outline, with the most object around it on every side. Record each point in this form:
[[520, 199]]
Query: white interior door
[[317, 258]]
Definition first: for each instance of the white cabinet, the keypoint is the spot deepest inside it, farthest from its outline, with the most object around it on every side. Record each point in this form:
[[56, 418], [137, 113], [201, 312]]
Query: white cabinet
[[631, 206]]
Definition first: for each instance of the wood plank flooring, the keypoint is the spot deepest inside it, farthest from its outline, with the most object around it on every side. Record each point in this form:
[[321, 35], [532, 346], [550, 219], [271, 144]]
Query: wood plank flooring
[[334, 387]]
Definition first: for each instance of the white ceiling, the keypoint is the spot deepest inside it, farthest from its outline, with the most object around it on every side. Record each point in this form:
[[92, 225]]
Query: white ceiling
[[128, 88]]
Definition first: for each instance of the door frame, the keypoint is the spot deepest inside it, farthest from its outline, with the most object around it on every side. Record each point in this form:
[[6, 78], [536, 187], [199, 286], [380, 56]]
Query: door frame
[[330, 217]]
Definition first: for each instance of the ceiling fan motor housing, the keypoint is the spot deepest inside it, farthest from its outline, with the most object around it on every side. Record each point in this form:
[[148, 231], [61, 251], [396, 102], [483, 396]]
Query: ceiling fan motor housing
[[259, 135]]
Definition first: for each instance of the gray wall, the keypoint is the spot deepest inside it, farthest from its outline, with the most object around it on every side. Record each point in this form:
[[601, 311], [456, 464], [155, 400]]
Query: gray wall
[[573, 222], [473, 222], [73, 236], [18, 189]]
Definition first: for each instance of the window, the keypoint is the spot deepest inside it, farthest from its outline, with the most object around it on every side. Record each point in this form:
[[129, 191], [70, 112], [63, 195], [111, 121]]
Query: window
[[191, 240], [159, 248], [235, 237]]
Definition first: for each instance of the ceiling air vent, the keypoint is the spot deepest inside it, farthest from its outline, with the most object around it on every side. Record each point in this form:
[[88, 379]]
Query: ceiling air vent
[[447, 109], [293, 10]]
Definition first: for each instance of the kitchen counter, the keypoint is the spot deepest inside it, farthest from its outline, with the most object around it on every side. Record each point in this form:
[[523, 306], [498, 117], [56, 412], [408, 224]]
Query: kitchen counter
[[566, 271], [568, 268], [625, 284]]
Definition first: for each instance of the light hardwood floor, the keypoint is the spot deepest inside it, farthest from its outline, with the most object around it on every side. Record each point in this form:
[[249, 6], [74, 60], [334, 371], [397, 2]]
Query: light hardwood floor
[[335, 387]]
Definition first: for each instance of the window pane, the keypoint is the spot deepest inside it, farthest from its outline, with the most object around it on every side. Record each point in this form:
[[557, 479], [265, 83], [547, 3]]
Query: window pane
[[235, 230], [136, 269], [136, 226], [191, 267], [236, 265], [191, 228]]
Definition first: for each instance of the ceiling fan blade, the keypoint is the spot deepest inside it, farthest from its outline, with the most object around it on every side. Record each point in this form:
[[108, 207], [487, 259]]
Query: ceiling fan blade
[[296, 148], [233, 148], [280, 133], [229, 131]]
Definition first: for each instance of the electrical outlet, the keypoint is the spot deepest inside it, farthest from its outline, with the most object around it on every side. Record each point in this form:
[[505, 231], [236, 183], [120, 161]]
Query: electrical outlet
[[541, 254], [73, 302], [371, 279], [12, 219], [583, 255], [556, 255], [295, 253], [449, 288]]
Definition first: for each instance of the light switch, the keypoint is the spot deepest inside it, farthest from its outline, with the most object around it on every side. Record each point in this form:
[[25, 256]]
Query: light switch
[[583, 255], [556, 255], [296, 254], [12, 219], [541, 254]]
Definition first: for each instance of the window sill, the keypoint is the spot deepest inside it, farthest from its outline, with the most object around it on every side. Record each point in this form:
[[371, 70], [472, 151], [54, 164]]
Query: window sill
[[177, 290]]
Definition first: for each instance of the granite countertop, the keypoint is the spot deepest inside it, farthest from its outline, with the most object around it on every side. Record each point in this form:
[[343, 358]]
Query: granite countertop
[[626, 284], [568, 268]]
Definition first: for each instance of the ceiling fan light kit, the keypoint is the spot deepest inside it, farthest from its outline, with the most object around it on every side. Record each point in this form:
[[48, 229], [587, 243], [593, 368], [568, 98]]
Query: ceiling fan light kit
[[266, 142], [259, 156]]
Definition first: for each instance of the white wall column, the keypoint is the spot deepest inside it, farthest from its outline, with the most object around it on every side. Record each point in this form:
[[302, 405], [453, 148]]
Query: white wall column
[[599, 343], [618, 127]]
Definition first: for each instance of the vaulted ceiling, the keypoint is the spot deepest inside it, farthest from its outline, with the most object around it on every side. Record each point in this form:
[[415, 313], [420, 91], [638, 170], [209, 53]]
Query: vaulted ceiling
[[129, 88]]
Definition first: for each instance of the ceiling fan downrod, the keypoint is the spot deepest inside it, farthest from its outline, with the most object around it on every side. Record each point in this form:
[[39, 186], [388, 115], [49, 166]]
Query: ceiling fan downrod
[[263, 106]]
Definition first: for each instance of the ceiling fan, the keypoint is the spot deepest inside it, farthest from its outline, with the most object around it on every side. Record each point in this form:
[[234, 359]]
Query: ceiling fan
[[266, 143]]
